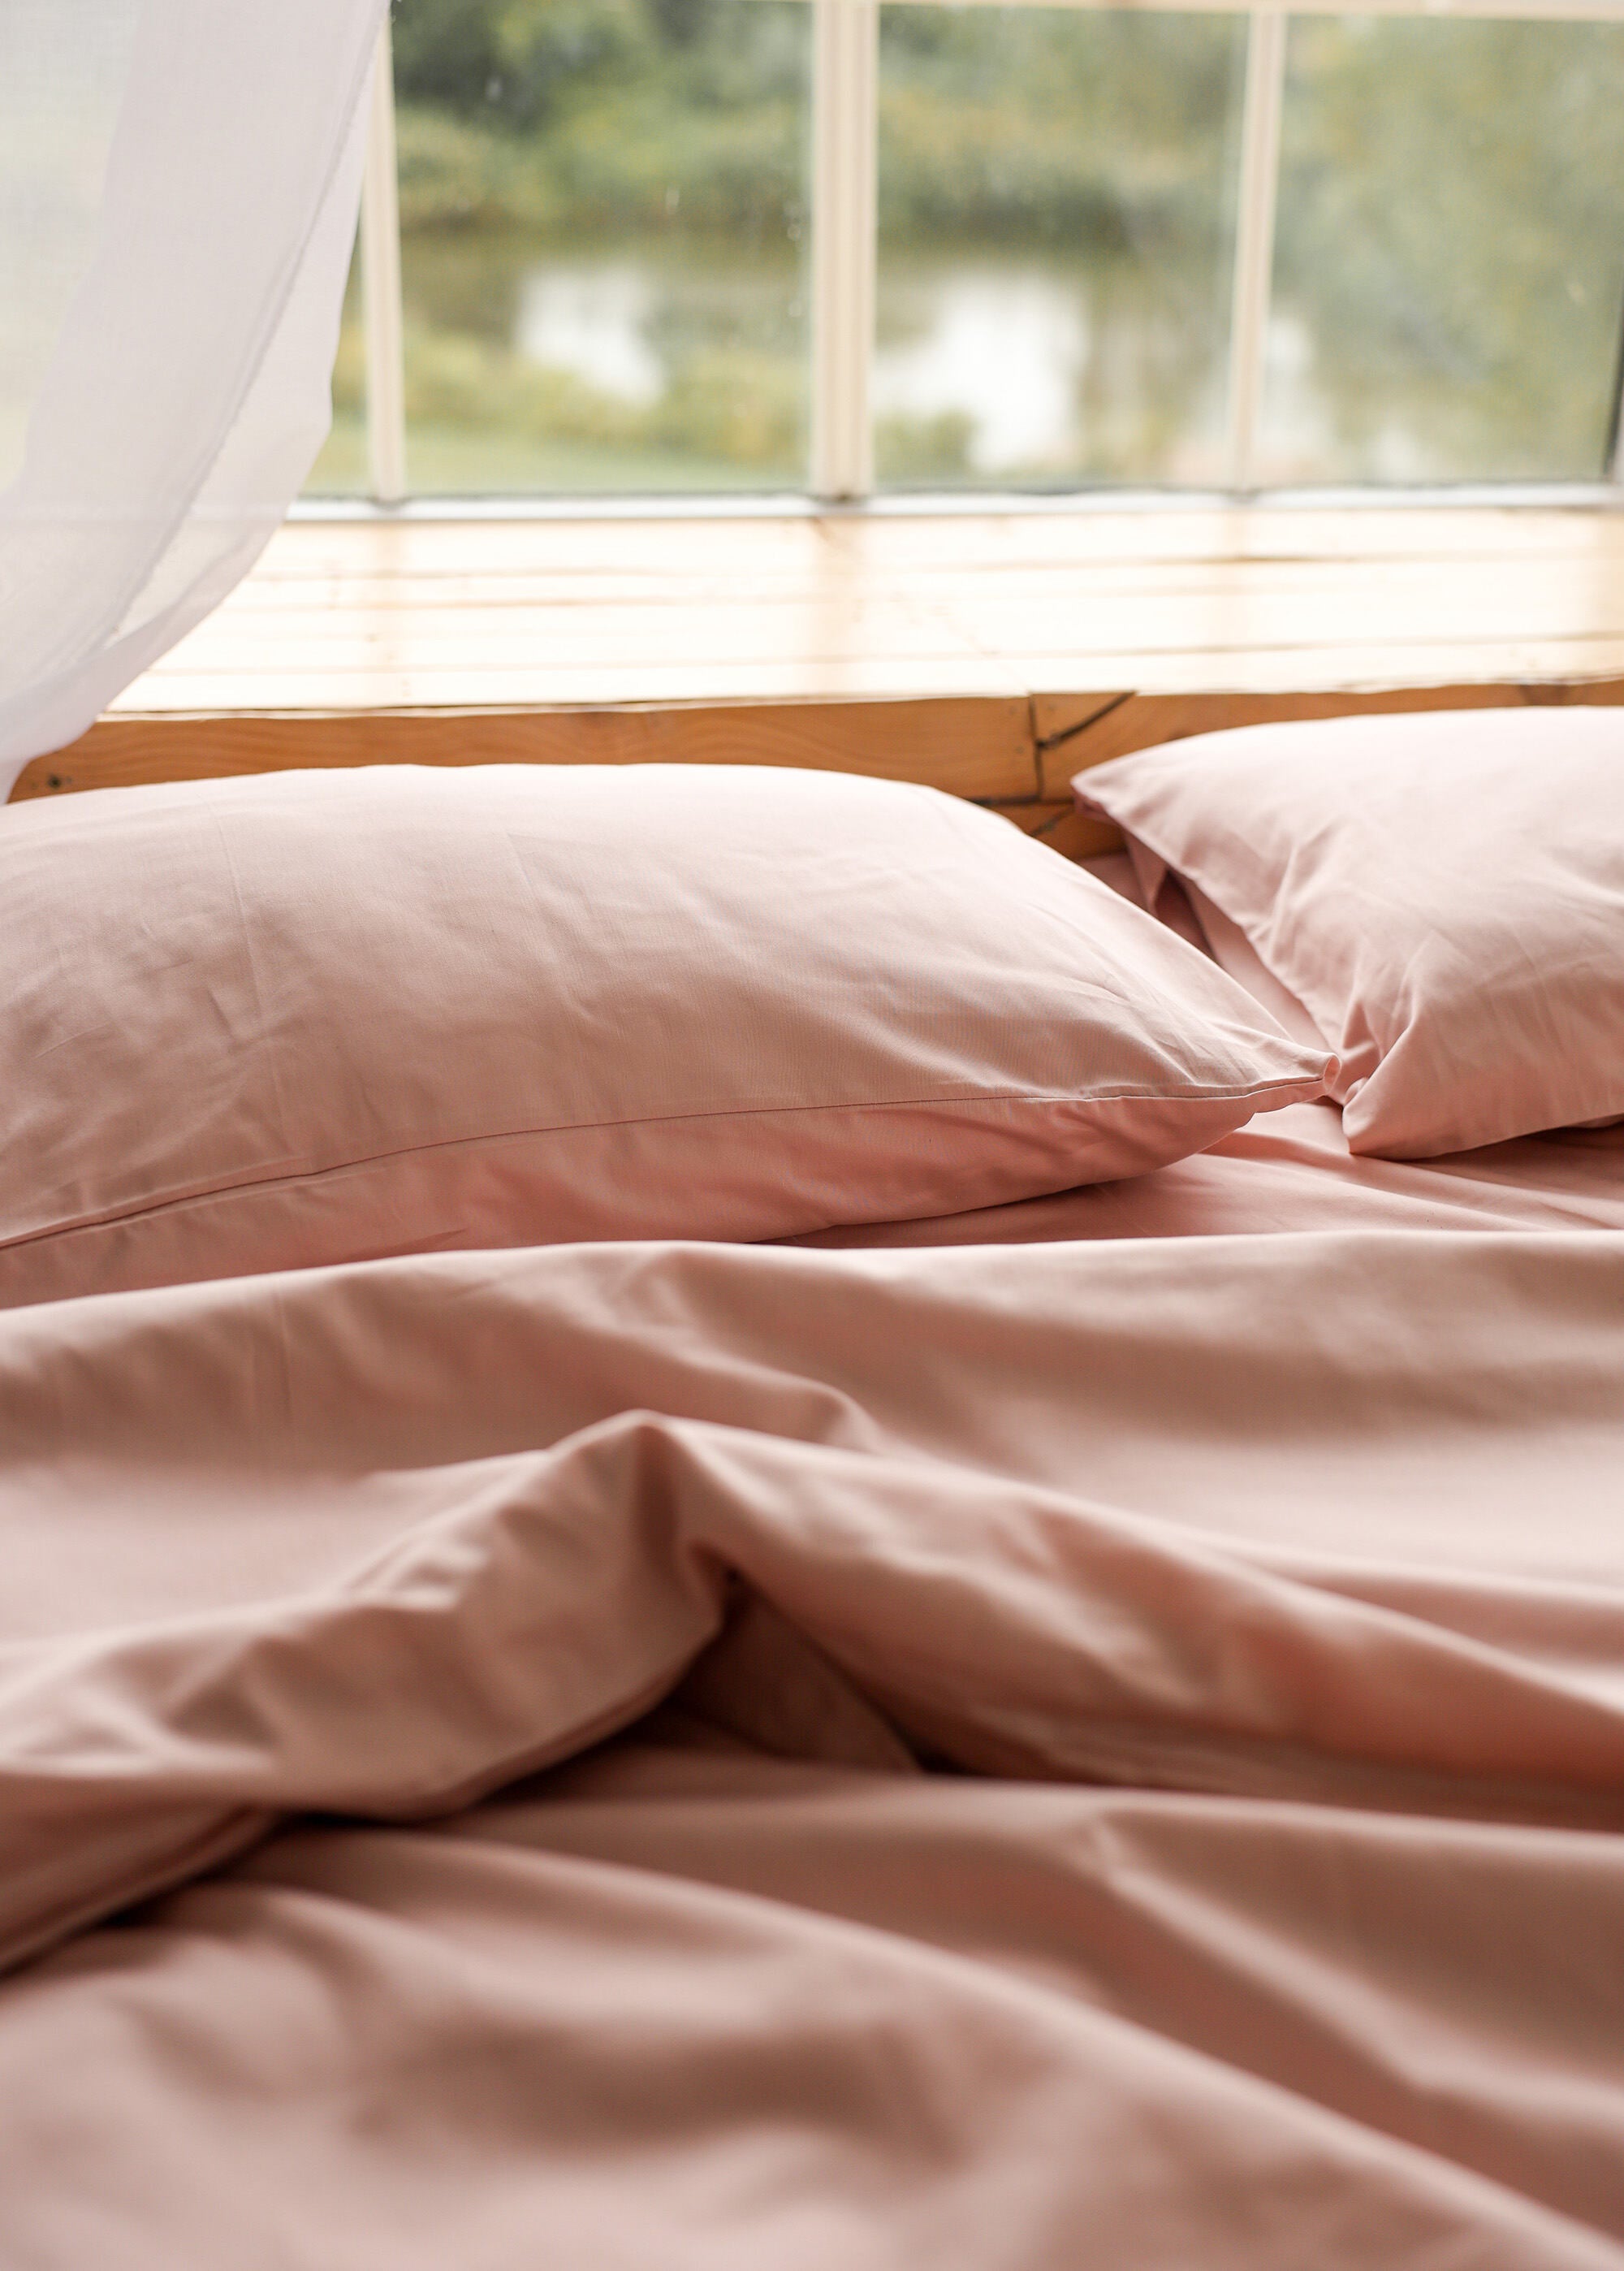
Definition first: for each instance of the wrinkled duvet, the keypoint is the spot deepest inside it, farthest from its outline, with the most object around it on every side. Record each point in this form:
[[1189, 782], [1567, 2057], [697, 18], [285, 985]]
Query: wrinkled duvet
[[1082, 1754]]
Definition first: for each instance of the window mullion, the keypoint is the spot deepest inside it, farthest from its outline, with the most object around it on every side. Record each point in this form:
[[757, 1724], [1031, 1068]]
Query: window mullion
[[1254, 245], [1613, 455], [844, 227], [380, 301]]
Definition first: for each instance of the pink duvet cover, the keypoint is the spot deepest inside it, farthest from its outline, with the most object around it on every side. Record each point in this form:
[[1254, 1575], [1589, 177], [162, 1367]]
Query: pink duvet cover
[[1082, 1754]]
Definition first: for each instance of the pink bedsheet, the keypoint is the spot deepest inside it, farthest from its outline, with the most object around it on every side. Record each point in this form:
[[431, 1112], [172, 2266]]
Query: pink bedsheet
[[1085, 1754], [1292, 1170]]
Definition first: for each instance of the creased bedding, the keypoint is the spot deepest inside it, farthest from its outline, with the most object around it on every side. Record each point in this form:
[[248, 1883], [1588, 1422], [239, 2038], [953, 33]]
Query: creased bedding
[[708, 1755], [1293, 1171]]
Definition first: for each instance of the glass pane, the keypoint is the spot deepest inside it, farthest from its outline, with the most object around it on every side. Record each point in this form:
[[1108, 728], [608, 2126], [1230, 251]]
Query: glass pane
[[1056, 221], [603, 232], [1450, 251], [342, 469]]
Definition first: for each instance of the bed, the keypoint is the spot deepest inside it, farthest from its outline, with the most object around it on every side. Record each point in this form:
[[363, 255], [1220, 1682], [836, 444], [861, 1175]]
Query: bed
[[1081, 1727]]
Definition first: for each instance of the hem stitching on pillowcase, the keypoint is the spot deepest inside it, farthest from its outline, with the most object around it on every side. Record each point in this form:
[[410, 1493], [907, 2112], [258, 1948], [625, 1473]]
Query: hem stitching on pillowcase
[[984, 1098]]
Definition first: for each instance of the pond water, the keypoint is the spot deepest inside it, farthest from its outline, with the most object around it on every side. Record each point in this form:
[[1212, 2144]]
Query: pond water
[[532, 368], [1003, 349], [595, 323]]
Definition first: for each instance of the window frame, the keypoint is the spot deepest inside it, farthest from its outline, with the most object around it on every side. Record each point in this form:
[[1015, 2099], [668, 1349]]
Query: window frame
[[844, 227]]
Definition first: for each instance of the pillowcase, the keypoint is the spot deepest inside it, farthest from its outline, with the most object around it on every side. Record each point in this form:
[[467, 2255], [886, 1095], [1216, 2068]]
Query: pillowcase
[[1443, 893], [309, 1018]]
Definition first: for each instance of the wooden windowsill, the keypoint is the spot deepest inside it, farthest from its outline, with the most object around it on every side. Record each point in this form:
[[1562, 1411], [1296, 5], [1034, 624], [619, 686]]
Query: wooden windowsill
[[990, 654]]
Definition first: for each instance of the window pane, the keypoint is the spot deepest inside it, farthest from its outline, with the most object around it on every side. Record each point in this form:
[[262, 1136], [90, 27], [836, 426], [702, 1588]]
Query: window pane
[[1450, 251], [1057, 223], [342, 469], [603, 226]]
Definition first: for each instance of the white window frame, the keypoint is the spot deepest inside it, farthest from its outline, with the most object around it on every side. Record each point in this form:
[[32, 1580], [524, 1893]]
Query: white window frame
[[845, 229], [383, 312]]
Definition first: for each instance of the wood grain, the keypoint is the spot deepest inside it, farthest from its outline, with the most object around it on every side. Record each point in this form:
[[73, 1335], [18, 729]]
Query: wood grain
[[1144, 720], [1076, 835], [990, 654], [803, 545], [559, 614], [977, 748]]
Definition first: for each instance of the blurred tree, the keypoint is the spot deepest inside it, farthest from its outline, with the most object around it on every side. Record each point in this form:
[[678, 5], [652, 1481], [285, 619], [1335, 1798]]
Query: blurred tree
[[446, 52], [1451, 235], [1452, 217]]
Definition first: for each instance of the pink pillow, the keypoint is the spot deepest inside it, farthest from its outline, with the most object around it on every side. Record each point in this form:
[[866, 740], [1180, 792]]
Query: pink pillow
[[304, 1017], [1443, 892]]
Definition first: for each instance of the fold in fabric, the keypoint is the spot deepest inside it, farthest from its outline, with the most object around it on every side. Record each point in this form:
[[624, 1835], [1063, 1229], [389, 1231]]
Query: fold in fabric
[[724, 2010], [697, 1676], [1258, 1519], [1292, 1170]]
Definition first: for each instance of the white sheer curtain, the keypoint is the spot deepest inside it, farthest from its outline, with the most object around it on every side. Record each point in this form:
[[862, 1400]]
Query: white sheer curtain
[[178, 189]]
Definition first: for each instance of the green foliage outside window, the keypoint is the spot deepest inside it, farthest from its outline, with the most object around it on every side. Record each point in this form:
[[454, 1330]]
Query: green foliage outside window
[[1448, 272]]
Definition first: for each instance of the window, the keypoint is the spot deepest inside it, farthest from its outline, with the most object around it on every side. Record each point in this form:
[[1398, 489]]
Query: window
[[1450, 254], [626, 247], [1057, 237]]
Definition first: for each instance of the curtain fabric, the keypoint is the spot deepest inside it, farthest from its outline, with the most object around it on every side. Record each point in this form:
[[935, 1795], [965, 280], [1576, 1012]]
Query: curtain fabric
[[179, 182]]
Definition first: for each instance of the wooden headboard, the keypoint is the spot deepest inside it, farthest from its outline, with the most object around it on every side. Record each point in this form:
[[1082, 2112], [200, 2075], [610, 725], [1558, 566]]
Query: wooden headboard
[[1015, 754]]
